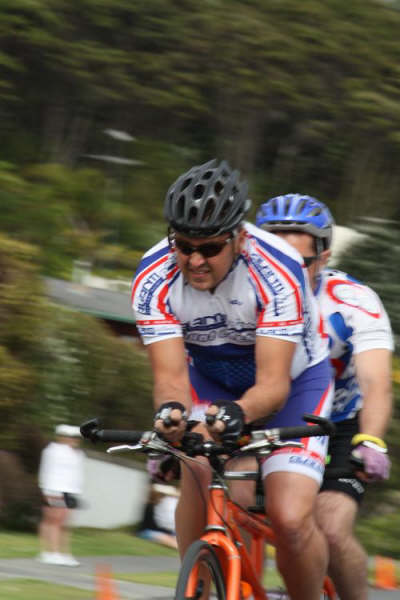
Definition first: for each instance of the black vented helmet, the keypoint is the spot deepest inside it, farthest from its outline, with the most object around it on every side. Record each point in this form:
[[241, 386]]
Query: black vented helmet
[[207, 200]]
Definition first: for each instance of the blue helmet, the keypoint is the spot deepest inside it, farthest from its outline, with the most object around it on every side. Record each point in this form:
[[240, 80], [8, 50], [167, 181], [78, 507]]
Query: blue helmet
[[297, 212]]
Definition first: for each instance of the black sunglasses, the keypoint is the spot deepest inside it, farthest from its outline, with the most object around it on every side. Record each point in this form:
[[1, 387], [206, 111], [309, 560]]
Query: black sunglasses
[[309, 260], [207, 250]]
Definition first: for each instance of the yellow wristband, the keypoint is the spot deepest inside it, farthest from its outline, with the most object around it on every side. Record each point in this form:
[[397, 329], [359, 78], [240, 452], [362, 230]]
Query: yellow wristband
[[365, 437]]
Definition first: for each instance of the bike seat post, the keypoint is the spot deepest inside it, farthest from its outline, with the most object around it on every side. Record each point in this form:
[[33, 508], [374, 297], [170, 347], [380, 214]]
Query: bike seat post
[[216, 505]]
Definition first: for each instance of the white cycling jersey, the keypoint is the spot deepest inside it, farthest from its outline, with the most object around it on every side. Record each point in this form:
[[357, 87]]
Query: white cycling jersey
[[265, 293], [355, 321]]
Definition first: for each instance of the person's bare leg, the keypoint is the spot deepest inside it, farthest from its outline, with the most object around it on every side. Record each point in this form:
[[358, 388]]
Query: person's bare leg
[[64, 532], [166, 539], [49, 529], [348, 563], [301, 548], [44, 532], [191, 510], [55, 517], [243, 492]]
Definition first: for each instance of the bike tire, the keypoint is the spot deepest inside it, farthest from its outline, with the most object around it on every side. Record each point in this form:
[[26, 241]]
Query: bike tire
[[200, 553]]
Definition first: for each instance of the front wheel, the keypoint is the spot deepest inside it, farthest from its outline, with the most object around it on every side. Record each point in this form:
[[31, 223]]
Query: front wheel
[[200, 569]]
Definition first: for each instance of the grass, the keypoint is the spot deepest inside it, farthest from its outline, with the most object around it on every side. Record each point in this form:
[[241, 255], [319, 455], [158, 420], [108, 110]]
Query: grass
[[85, 542], [162, 578], [95, 542], [272, 578], [21, 589]]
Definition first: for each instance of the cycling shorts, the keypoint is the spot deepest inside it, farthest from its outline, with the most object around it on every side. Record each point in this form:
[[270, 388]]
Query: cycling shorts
[[339, 450], [311, 392]]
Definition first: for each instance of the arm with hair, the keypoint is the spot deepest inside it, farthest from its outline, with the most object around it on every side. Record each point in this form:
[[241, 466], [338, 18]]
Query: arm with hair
[[171, 391], [269, 394], [373, 369]]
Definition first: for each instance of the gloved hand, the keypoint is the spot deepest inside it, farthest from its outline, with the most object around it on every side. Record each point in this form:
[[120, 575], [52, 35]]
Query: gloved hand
[[170, 421], [376, 463], [226, 418]]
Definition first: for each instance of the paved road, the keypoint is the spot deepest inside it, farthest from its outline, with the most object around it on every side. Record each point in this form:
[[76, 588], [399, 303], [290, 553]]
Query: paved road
[[84, 576]]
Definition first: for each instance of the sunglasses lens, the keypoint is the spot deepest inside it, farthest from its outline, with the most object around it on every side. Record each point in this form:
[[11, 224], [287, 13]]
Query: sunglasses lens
[[308, 260], [209, 250], [206, 250], [183, 247]]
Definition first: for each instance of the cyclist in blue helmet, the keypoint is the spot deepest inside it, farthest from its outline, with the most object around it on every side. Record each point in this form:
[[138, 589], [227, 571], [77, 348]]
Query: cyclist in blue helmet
[[361, 343]]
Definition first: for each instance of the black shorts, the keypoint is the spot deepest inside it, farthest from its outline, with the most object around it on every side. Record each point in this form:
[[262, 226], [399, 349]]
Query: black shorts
[[66, 500], [339, 450]]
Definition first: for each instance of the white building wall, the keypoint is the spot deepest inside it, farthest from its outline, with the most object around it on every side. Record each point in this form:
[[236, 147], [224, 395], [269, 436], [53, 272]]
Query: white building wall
[[114, 495]]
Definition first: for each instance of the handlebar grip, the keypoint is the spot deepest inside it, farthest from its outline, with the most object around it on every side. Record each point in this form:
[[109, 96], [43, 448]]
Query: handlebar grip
[[90, 430], [118, 436], [287, 433], [210, 419]]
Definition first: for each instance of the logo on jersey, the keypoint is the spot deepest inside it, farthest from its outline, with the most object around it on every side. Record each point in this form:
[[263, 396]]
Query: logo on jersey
[[149, 286], [352, 294], [267, 274]]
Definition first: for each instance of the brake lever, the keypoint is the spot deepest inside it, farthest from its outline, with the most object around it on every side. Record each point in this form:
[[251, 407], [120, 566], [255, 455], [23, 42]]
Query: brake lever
[[123, 448], [260, 444]]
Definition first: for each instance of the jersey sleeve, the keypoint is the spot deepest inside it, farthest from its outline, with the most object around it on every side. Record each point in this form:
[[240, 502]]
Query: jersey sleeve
[[151, 288], [371, 325], [366, 315], [282, 315]]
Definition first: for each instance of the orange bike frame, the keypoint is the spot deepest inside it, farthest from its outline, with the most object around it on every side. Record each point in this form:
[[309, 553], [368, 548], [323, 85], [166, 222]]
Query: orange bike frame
[[224, 518], [222, 532]]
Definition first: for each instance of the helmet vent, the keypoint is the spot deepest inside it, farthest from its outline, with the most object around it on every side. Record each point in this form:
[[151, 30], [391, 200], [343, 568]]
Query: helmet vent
[[225, 209], [218, 187], [192, 214], [209, 210], [288, 201], [180, 209], [198, 191], [186, 184], [300, 207], [315, 212]]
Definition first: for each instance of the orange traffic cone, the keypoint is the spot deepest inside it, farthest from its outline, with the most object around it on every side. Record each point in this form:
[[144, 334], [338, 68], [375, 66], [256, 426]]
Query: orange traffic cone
[[385, 573], [105, 589]]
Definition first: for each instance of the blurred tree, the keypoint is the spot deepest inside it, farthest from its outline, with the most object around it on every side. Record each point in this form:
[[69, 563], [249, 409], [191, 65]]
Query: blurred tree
[[57, 365]]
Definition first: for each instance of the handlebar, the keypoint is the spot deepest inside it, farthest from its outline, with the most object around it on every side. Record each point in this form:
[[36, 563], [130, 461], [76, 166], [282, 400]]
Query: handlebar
[[319, 426], [91, 431], [193, 443]]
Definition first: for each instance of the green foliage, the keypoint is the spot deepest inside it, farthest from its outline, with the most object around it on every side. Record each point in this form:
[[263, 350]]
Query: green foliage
[[58, 365], [19, 589], [19, 496], [302, 94], [92, 373]]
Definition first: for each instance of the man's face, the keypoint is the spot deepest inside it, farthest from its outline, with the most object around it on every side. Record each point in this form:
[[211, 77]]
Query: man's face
[[201, 271], [305, 245]]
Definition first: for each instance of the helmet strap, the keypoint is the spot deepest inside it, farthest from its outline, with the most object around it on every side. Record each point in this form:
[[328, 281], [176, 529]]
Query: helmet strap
[[319, 246]]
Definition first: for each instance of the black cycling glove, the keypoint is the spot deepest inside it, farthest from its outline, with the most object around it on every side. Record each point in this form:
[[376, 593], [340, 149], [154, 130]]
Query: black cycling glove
[[164, 413], [232, 416]]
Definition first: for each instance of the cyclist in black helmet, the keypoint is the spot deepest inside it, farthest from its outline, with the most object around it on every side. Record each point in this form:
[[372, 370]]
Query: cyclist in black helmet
[[232, 330]]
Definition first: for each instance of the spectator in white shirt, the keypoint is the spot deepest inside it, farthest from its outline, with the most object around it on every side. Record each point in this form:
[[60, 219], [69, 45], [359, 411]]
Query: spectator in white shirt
[[60, 480]]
